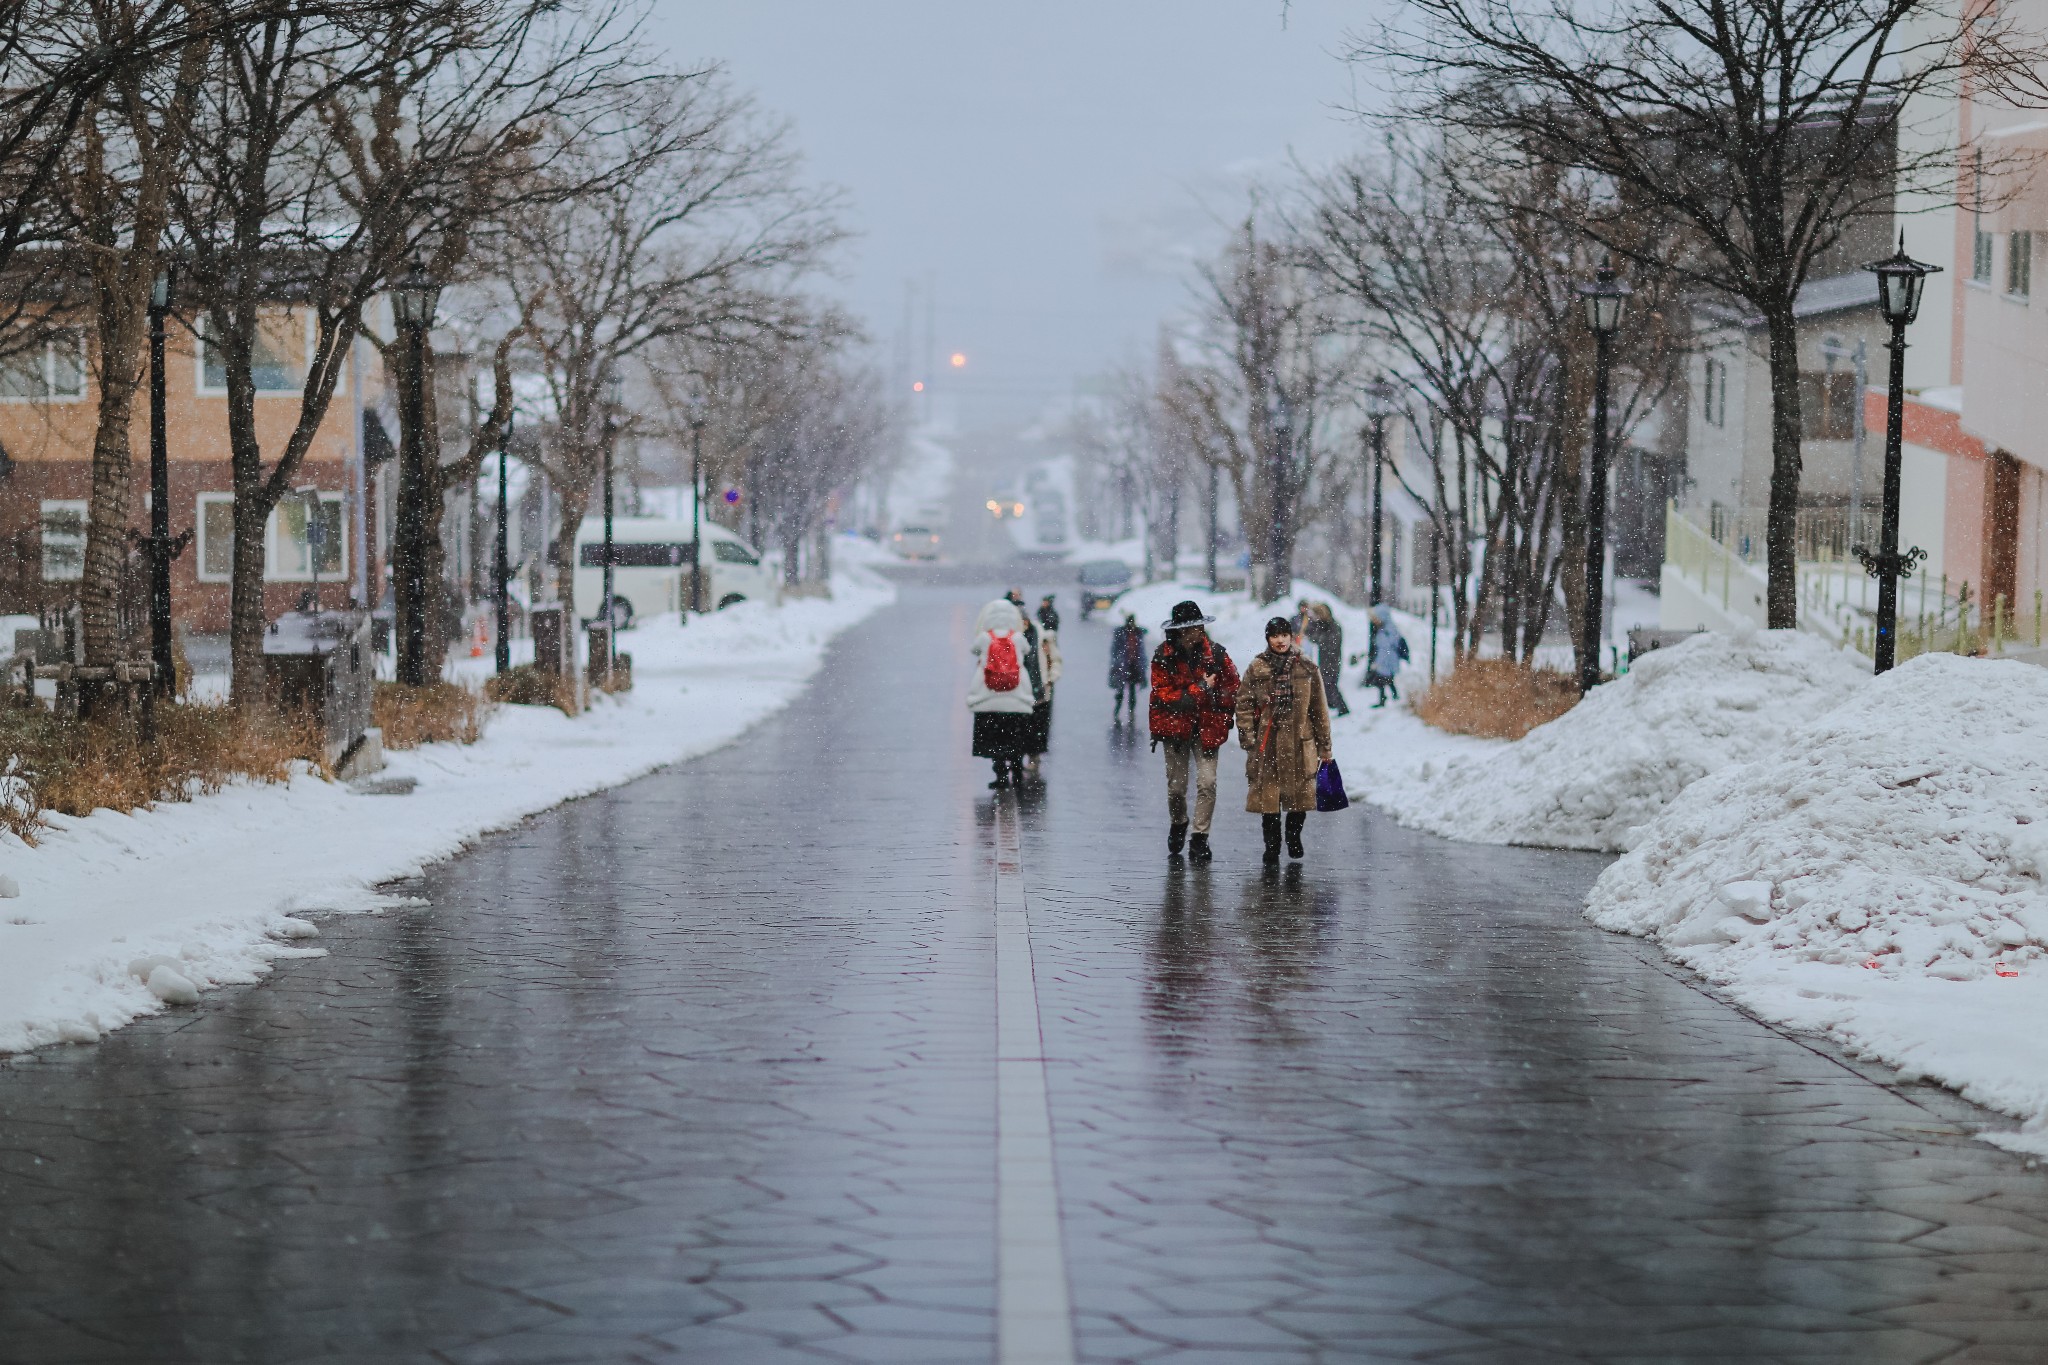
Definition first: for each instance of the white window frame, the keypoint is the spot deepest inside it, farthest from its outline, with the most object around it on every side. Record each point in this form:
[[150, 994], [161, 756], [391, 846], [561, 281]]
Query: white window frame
[[199, 522], [200, 343], [272, 558], [1714, 407], [49, 350], [273, 544], [2019, 265], [49, 505]]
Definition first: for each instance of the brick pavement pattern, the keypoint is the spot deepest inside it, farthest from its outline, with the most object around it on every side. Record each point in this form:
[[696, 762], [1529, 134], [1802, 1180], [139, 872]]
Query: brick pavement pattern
[[704, 1070]]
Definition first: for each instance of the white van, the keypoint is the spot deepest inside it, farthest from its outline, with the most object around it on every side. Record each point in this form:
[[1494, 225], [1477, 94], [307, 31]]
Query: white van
[[651, 568]]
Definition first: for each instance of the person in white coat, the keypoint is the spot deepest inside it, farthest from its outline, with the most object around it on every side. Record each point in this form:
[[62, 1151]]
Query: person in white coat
[[1000, 692]]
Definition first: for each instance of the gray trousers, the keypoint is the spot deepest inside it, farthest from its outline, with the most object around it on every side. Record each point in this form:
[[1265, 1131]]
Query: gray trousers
[[1181, 755]]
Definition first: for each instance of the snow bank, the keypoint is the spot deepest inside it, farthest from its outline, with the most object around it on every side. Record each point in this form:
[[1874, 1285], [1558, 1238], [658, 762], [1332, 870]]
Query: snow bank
[[1615, 761], [1877, 876], [118, 914]]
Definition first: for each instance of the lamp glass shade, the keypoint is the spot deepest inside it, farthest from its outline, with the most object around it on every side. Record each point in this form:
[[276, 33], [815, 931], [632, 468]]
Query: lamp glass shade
[[1380, 399], [160, 291], [414, 298], [1900, 279], [1606, 298]]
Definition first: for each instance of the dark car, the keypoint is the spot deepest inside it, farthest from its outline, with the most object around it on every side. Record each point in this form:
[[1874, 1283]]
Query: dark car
[[1102, 582]]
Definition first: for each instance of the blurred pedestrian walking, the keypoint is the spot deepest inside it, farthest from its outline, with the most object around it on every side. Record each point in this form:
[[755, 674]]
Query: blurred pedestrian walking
[[1283, 722], [1039, 669], [1194, 693], [1386, 652], [1000, 694], [1320, 629], [1126, 666]]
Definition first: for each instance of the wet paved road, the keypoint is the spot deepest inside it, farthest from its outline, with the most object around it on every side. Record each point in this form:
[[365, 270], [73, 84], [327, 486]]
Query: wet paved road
[[713, 1069]]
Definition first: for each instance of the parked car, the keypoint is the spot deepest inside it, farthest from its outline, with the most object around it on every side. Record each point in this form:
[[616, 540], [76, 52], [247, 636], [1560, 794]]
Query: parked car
[[916, 542], [651, 568], [1102, 582]]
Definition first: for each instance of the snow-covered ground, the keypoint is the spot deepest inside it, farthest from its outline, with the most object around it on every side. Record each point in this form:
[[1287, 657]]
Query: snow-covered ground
[[1878, 877], [119, 913], [1613, 763]]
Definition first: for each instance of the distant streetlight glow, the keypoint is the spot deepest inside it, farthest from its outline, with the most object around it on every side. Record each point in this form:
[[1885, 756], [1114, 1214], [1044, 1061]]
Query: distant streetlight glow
[[918, 387], [959, 359]]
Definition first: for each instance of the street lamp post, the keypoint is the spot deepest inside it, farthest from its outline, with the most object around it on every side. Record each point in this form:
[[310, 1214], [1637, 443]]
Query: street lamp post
[[1899, 281], [413, 301], [697, 407], [1379, 405], [612, 387], [502, 595], [160, 551], [1215, 510], [1605, 299]]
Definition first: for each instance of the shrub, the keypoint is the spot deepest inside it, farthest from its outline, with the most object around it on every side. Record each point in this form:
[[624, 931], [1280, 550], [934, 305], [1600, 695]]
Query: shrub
[[76, 767], [527, 685], [1497, 698], [435, 713]]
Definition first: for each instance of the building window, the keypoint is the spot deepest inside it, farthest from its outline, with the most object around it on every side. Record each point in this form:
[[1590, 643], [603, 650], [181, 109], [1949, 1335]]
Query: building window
[[277, 362], [1827, 406], [63, 541], [51, 369], [1980, 239], [2019, 264], [1715, 400], [287, 555], [216, 537], [290, 555]]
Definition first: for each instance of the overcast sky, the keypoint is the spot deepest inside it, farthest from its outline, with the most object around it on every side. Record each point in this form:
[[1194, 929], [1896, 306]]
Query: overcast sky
[[1049, 164]]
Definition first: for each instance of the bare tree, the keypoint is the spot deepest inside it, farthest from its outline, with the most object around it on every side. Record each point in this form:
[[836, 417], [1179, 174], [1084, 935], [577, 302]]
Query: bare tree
[[1461, 282], [339, 146], [121, 170], [698, 241], [1768, 128], [1262, 381]]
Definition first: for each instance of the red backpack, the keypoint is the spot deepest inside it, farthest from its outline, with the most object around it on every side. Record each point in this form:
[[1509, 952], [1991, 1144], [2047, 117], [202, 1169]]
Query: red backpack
[[1000, 671]]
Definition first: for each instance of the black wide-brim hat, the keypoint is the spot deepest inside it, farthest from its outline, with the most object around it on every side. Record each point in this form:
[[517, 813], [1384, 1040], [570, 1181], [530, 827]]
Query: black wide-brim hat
[[1186, 614]]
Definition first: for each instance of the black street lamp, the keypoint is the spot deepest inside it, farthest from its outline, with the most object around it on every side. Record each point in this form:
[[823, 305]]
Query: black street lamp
[[1215, 511], [160, 547], [414, 299], [612, 387], [504, 567], [1899, 281], [1605, 299], [1379, 406], [698, 405]]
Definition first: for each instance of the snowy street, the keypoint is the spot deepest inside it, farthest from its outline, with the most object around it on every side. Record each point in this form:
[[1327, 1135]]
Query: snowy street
[[813, 1049]]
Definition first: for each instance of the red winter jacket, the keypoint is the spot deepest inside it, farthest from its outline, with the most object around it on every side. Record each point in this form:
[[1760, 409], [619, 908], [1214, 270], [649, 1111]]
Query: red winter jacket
[[1194, 693]]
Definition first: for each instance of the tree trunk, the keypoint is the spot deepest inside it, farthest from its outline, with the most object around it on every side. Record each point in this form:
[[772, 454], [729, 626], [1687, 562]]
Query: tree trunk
[[121, 330], [1781, 526], [246, 684]]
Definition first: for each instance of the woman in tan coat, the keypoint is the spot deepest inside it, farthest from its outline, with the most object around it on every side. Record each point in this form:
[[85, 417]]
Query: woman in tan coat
[[1283, 722]]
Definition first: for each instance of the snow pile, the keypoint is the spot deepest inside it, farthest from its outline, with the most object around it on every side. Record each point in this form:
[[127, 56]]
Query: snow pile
[[119, 915], [1877, 876], [1612, 763]]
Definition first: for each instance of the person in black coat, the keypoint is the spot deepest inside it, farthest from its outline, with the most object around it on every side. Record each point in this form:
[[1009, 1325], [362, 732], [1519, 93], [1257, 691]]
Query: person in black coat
[[1127, 665]]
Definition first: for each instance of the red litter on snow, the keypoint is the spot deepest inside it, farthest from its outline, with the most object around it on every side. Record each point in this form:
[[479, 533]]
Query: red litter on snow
[[1872, 964], [2002, 970]]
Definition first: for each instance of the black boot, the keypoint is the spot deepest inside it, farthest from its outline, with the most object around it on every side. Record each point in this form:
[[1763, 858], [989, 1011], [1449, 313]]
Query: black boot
[[1198, 849], [1176, 837], [1016, 772], [1295, 820], [1002, 777], [1269, 825]]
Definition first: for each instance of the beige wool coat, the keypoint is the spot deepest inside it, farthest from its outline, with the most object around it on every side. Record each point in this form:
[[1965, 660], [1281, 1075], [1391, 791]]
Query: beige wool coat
[[1282, 750]]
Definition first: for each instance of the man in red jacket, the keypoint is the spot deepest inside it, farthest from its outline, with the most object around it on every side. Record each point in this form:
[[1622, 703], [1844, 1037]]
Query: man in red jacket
[[1194, 703]]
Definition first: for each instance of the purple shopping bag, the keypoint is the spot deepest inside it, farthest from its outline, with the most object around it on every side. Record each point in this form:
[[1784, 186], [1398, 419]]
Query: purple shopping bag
[[1330, 788]]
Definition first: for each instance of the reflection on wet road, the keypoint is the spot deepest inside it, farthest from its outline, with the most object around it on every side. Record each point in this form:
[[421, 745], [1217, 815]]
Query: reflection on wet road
[[724, 1066]]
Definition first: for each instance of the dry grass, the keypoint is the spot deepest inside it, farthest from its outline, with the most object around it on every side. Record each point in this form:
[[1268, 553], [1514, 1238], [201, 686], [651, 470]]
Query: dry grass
[[437, 713], [529, 686], [76, 767], [1497, 699]]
